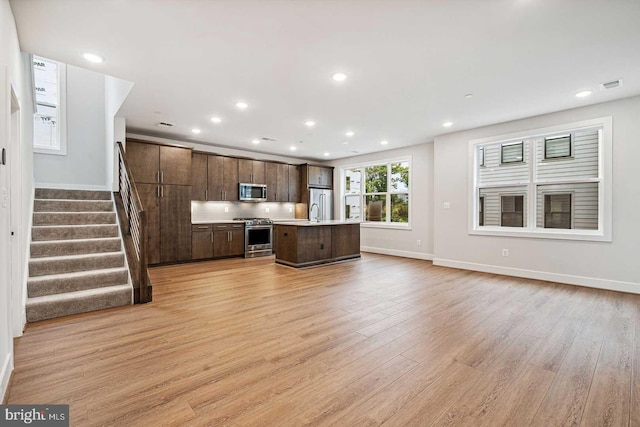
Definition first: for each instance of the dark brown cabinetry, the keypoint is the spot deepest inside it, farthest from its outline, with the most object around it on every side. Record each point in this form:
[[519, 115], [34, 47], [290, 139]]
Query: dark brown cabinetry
[[251, 171], [163, 177], [319, 177], [303, 245], [201, 241], [228, 240], [294, 184], [214, 178], [277, 182]]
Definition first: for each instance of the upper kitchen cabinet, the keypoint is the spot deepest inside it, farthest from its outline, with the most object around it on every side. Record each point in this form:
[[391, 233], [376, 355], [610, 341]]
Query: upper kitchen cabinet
[[319, 176], [159, 164], [251, 171], [214, 178], [294, 183], [277, 175]]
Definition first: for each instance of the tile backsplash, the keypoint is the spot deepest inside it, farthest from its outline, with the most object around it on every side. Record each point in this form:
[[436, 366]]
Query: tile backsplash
[[216, 211]]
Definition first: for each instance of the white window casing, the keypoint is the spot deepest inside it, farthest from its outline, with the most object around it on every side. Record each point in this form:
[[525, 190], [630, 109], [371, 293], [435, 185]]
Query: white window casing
[[59, 146]]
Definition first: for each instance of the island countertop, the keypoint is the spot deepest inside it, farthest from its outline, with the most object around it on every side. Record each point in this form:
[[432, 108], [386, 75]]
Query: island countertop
[[307, 223]]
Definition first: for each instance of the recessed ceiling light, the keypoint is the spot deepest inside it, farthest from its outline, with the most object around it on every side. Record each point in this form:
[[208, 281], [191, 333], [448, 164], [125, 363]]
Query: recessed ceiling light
[[256, 141], [310, 123], [216, 119], [242, 105], [293, 148], [346, 142], [469, 95], [350, 133], [384, 142], [447, 124], [195, 130], [92, 57], [583, 93], [339, 77], [327, 154]]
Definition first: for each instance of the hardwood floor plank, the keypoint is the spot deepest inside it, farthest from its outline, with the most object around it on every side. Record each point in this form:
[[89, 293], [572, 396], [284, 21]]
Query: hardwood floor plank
[[248, 342]]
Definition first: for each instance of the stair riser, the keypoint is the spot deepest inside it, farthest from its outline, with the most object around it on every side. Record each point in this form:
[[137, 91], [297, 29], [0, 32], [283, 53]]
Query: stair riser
[[48, 193], [36, 312], [39, 234], [58, 266], [72, 206], [39, 287], [46, 218], [73, 247]]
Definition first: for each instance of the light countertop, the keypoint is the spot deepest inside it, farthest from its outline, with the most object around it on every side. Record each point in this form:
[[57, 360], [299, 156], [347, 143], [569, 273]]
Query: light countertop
[[217, 221], [307, 223]]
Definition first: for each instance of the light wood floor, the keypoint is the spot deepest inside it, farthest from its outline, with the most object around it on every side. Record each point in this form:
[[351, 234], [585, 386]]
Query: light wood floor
[[381, 340]]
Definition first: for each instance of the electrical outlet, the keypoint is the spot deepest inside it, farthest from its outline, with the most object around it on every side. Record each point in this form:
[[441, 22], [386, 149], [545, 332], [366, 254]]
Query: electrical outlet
[[419, 242], [290, 209], [505, 252], [447, 205], [266, 210], [226, 209]]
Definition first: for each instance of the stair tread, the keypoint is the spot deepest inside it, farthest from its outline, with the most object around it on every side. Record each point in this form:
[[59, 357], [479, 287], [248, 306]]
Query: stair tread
[[72, 257], [75, 225], [69, 241], [76, 274], [78, 294]]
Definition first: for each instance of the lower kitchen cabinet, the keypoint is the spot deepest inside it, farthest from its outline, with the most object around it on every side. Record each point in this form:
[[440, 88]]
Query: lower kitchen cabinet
[[201, 241], [228, 240]]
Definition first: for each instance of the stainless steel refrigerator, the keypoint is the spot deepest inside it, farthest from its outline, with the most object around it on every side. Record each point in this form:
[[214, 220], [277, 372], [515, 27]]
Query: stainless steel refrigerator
[[320, 204]]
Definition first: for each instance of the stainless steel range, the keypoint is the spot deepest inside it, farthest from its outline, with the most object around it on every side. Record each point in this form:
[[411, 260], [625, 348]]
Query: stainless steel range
[[258, 236]]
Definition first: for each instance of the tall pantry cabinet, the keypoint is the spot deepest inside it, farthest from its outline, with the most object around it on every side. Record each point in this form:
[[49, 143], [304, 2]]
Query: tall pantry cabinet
[[162, 175]]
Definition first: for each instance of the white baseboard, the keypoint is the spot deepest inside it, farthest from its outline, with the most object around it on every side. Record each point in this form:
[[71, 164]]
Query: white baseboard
[[395, 252], [5, 375], [73, 186], [591, 282]]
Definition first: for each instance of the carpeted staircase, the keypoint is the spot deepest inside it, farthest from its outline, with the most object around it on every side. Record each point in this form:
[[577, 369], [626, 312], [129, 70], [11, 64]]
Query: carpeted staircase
[[77, 262]]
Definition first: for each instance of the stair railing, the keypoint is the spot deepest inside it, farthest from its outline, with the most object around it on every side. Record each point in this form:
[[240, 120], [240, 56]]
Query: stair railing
[[135, 226]]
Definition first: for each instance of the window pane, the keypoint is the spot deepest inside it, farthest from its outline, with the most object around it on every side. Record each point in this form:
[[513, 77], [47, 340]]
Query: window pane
[[376, 208], [399, 208], [583, 162], [376, 179], [352, 207], [582, 206], [496, 172], [45, 76], [559, 146], [400, 177], [481, 211], [512, 153], [352, 181], [512, 211], [492, 205]]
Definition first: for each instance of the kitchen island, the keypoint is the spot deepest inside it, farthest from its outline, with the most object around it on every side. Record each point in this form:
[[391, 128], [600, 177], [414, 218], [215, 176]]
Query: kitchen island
[[306, 243]]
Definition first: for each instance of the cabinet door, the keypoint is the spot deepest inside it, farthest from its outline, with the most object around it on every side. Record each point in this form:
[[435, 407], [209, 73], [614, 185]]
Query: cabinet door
[[258, 172], [151, 204], [175, 165], [215, 174], [314, 243], [345, 240], [294, 184], [245, 171], [175, 223], [320, 176], [230, 166], [282, 192], [236, 245], [144, 161], [199, 177], [202, 244], [271, 178]]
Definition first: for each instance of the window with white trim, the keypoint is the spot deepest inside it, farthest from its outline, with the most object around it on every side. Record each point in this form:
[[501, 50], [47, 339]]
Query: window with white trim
[[377, 193], [49, 130], [553, 182]]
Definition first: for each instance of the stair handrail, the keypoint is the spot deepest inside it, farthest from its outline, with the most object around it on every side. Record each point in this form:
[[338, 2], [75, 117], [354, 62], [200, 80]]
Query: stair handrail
[[136, 227]]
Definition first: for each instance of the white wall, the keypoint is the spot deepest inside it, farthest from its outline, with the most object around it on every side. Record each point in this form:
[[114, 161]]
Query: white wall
[[11, 75], [116, 91], [84, 166], [401, 242], [611, 265]]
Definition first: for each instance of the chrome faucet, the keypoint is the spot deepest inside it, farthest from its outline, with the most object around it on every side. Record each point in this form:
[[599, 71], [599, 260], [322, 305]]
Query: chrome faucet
[[311, 212]]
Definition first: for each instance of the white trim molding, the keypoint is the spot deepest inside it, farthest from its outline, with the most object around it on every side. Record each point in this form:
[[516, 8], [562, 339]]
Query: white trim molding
[[5, 376], [73, 187], [590, 282], [396, 252]]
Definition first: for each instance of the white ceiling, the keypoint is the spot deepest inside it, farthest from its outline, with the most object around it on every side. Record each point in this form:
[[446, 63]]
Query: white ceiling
[[409, 64]]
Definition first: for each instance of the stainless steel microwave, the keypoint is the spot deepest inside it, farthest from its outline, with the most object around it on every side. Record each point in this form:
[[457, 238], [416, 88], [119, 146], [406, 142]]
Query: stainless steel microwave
[[253, 192]]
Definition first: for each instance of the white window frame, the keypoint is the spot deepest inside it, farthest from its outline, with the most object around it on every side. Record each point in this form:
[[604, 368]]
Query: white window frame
[[61, 110], [362, 194], [604, 180]]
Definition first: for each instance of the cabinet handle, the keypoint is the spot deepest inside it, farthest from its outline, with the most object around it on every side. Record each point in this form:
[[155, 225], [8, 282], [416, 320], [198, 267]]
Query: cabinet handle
[[158, 176], [158, 192], [212, 237], [162, 177], [162, 191], [203, 227], [229, 236], [206, 194], [225, 195]]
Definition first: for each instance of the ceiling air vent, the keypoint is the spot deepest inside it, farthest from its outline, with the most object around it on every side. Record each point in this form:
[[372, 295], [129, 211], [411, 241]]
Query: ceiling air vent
[[165, 125], [264, 138], [612, 84]]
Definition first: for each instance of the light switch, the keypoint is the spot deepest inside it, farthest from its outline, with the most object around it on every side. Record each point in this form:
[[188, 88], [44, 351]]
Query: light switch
[[447, 205], [226, 209]]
